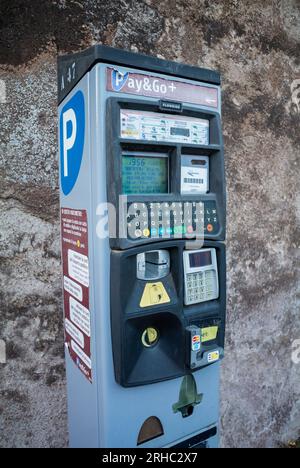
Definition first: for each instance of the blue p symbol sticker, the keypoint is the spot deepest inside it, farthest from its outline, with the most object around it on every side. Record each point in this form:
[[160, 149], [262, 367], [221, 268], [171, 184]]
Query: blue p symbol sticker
[[119, 79], [72, 126]]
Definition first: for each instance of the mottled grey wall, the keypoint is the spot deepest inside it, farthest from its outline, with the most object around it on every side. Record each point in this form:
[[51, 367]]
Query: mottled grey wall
[[255, 45]]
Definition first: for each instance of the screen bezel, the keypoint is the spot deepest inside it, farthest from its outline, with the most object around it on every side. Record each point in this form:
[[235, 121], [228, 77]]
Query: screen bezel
[[146, 154]]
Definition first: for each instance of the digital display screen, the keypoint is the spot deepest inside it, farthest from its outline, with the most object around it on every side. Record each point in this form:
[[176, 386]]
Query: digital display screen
[[144, 174], [200, 259], [180, 131]]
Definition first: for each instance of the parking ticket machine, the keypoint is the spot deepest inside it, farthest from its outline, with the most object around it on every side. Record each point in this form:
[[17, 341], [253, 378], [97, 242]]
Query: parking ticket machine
[[143, 259]]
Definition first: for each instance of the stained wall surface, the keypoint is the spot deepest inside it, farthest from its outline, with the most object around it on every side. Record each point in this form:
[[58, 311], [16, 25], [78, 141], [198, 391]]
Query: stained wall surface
[[255, 45]]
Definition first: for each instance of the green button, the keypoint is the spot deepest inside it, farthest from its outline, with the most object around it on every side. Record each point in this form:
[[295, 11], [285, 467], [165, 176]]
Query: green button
[[179, 230]]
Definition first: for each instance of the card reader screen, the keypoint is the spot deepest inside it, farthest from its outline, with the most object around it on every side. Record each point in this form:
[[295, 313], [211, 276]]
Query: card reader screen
[[144, 174], [200, 259]]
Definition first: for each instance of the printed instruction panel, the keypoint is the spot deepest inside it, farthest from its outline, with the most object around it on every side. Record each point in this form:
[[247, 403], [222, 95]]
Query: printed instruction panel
[[75, 263], [153, 126]]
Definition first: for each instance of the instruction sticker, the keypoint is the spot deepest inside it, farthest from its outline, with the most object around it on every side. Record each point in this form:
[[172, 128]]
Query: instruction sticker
[[78, 266], [196, 343], [213, 356], [75, 265], [74, 332], [73, 288], [80, 315], [153, 126], [209, 334], [154, 294]]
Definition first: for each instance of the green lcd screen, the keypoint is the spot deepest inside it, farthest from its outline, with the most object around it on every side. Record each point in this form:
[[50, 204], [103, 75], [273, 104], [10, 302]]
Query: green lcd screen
[[144, 174]]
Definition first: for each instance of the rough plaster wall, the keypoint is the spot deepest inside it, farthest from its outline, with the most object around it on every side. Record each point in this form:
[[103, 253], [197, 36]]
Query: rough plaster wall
[[255, 45]]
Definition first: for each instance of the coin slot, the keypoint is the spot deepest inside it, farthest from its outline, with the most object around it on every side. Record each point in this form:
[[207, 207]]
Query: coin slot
[[150, 337]]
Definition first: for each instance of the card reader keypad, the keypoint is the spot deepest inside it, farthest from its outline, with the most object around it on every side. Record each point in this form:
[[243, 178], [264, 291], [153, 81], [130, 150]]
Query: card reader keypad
[[200, 286], [171, 219]]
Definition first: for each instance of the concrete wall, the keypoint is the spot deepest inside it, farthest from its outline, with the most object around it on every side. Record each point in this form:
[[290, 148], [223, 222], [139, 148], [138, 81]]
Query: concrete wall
[[256, 46]]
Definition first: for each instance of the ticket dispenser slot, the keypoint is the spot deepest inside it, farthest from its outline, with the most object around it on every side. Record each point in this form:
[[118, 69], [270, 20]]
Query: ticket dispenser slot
[[194, 174]]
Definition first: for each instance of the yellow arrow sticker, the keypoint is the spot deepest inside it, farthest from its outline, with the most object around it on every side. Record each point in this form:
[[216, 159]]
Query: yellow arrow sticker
[[208, 334], [154, 294]]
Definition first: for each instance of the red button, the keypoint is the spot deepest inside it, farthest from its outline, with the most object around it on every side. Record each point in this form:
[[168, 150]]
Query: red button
[[190, 229], [210, 227]]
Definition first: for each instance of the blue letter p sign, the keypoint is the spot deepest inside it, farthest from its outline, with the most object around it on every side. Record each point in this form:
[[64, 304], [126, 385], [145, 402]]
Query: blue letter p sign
[[72, 123]]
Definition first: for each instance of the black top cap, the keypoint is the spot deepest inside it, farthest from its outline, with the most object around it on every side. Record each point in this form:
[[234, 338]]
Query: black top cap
[[71, 68]]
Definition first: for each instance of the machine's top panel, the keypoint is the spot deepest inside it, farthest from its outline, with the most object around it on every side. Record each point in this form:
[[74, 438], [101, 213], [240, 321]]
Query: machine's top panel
[[71, 68]]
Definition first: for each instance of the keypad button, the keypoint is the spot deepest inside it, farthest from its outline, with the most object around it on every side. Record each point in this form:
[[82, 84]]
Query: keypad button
[[195, 214]]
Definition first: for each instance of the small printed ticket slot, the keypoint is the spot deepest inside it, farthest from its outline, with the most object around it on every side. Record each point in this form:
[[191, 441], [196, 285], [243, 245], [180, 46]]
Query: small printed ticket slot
[[194, 174]]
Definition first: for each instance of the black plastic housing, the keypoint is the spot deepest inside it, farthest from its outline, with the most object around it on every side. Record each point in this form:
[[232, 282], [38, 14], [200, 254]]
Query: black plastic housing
[[72, 67], [133, 363], [116, 145]]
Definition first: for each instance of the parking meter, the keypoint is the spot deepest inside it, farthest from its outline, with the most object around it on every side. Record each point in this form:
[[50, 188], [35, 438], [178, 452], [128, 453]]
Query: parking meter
[[142, 195]]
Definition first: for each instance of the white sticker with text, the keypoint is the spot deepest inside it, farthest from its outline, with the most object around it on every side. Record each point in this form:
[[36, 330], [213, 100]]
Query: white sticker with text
[[74, 332], [78, 266], [73, 288], [81, 354], [80, 315]]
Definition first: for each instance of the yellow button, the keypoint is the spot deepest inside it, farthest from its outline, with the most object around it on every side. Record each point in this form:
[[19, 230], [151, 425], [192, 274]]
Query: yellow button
[[146, 233]]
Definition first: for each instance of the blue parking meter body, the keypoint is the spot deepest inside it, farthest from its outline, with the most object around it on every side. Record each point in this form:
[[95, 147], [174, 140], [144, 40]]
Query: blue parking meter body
[[143, 211]]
